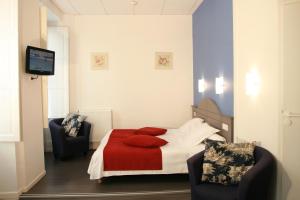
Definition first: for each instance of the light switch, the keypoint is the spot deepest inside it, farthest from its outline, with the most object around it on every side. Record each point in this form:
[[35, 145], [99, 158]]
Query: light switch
[[257, 143], [225, 127]]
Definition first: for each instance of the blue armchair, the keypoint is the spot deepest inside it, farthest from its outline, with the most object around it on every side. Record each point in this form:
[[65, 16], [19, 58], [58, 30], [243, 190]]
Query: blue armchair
[[64, 145], [255, 184]]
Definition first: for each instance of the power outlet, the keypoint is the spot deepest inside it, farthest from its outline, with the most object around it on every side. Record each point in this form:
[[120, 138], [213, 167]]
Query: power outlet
[[257, 143], [240, 140], [225, 127]]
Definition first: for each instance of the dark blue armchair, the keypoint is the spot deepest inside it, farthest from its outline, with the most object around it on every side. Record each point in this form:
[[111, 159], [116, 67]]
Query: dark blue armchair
[[255, 184], [64, 145]]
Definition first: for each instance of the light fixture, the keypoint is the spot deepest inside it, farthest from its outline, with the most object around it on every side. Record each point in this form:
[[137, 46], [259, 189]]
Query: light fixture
[[252, 83], [219, 85], [201, 85], [133, 2]]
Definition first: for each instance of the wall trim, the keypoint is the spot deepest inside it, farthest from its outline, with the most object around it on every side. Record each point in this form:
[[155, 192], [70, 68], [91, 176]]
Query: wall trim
[[286, 2], [34, 181], [53, 8], [10, 195], [101, 195], [196, 6], [279, 184]]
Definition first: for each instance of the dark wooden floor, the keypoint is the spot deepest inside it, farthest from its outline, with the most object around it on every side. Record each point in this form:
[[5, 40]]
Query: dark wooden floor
[[68, 179]]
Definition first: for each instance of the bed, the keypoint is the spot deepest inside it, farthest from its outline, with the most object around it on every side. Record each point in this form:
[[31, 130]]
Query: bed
[[177, 151]]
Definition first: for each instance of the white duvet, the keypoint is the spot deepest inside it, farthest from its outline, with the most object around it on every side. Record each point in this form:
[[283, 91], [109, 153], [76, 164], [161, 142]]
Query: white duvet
[[174, 155]]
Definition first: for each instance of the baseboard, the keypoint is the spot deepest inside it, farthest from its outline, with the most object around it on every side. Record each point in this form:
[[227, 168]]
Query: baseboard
[[10, 195], [15, 195], [32, 183], [115, 195]]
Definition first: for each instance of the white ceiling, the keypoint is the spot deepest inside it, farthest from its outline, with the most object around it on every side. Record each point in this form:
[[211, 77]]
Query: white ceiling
[[124, 7]]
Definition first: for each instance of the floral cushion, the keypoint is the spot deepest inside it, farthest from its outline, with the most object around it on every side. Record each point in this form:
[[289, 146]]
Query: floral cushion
[[72, 123], [209, 142], [226, 163]]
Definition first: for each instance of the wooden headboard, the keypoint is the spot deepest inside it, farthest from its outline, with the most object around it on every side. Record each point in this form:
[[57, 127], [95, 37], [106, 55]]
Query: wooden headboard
[[210, 112]]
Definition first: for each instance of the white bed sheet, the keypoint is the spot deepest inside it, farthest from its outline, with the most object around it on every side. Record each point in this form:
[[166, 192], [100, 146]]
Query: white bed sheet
[[174, 157]]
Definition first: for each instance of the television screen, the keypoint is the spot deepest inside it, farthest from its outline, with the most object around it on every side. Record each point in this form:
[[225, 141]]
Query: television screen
[[39, 61]]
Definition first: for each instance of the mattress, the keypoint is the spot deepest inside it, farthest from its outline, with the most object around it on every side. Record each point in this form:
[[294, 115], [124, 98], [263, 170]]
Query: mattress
[[174, 157]]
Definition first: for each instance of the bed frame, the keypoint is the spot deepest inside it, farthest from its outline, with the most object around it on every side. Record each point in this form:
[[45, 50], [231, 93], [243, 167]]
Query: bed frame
[[210, 112]]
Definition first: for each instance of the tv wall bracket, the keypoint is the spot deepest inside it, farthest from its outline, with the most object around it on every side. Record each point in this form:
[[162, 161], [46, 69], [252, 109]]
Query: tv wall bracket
[[34, 77]]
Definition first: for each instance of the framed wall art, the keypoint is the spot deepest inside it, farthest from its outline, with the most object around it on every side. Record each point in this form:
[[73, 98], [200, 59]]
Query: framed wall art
[[99, 61], [163, 60]]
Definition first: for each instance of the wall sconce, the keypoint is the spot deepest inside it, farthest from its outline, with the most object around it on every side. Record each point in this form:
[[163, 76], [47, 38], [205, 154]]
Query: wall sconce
[[252, 83], [219, 85], [201, 85]]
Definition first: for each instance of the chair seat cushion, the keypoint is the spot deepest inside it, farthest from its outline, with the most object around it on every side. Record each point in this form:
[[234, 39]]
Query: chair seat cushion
[[75, 140], [75, 144], [211, 191]]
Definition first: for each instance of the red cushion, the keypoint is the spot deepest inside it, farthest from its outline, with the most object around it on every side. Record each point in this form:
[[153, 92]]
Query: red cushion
[[144, 141], [150, 131]]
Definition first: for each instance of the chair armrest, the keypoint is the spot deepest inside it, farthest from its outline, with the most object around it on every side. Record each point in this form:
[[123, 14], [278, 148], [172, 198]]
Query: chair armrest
[[57, 120], [195, 168], [85, 130], [57, 131], [255, 184]]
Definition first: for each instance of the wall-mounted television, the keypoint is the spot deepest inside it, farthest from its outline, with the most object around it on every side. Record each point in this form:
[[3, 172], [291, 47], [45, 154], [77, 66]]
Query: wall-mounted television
[[39, 61]]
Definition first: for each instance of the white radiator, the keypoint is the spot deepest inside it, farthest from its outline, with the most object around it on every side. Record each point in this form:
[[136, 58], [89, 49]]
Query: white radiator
[[101, 120]]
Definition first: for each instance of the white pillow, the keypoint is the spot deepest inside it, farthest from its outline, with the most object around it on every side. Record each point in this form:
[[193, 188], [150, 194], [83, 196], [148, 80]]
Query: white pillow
[[188, 126], [217, 137], [198, 134]]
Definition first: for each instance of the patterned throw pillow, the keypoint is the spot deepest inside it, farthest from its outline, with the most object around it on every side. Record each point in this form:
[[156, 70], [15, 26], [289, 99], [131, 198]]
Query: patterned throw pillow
[[208, 142], [72, 123], [226, 163]]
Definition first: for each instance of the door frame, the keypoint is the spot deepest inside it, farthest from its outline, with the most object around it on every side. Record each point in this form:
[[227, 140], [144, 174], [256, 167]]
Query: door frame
[[280, 168]]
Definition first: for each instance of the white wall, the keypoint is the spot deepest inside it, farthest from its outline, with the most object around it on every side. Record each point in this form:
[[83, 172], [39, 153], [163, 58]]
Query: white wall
[[31, 96], [256, 45], [138, 94], [8, 171]]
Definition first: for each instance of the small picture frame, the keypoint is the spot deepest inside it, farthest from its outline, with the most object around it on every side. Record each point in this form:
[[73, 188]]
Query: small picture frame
[[163, 60], [99, 61]]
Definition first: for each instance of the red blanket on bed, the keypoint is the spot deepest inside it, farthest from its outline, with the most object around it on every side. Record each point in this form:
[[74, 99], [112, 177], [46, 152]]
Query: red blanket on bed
[[119, 156]]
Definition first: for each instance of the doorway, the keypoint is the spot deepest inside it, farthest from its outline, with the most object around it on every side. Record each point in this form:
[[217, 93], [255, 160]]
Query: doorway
[[58, 85], [290, 99]]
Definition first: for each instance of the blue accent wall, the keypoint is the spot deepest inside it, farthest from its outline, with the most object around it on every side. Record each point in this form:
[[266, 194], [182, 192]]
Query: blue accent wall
[[213, 51]]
